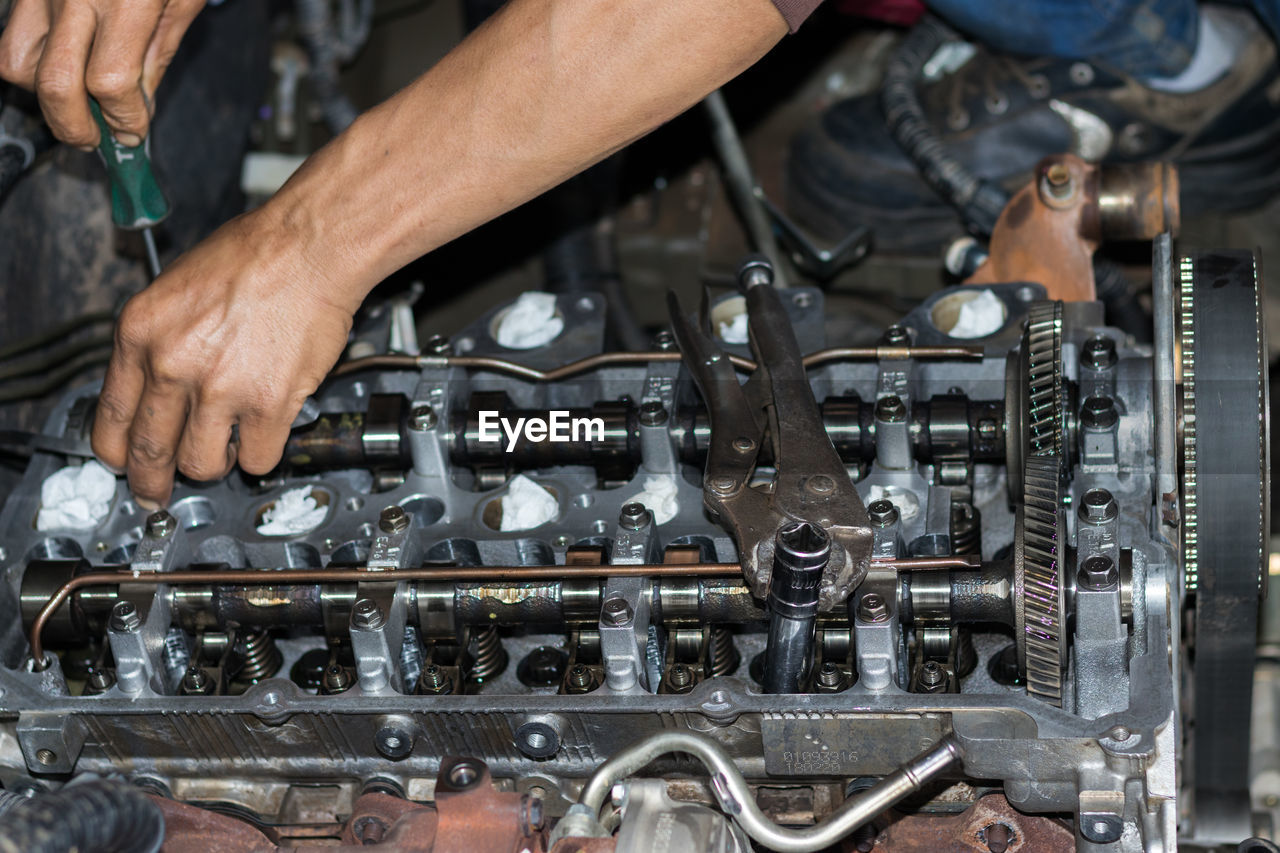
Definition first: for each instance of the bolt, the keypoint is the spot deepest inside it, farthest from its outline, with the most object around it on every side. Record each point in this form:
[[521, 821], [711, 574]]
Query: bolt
[[742, 444], [932, 677], [873, 608], [988, 429], [997, 836], [635, 516], [896, 336], [581, 679], [1099, 353], [891, 409], [195, 681], [830, 678], [664, 341], [616, 611], [99, 681], [433, 681], [1098, 507], [1099, 413], [680, 678], [1057, 180], [653, 413], [882, 513], [756, 271], [124, 617], [534, 816], [437, 345], [393, 520], [336, 679], [367, 616], [422, 418], [1097, 573], [724, 485], [820, 485], [160, 524]]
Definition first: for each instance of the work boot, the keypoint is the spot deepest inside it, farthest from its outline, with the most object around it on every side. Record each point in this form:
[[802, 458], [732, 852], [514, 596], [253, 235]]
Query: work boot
[[999, 115]]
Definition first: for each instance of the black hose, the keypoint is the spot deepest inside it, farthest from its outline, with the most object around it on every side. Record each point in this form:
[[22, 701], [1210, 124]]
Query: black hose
[[46, 359], [979, 201], [28, 389], [93, 817]]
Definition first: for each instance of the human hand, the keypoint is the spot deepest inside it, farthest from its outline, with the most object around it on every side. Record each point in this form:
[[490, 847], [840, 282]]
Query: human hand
[[240, 330], [116, 51]]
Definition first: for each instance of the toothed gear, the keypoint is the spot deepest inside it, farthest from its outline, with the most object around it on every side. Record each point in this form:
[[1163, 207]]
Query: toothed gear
[[1041, 639], [1042, 345]]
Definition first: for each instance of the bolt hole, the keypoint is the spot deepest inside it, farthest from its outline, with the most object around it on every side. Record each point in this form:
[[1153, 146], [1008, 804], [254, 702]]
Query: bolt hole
[[719, 697], [46, 756], [354, 504], [535, 740]]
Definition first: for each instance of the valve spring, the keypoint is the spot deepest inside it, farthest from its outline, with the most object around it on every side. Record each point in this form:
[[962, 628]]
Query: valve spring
[[722, 654], [262, 658], [489, 657], [966, 529]]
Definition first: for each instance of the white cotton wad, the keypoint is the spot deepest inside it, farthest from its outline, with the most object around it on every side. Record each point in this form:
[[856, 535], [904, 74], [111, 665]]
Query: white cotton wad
[[659, 497], [979, 317], [735, 331], [530, 322], [527, 505], [907, 504], [76, 498], [292, 513]]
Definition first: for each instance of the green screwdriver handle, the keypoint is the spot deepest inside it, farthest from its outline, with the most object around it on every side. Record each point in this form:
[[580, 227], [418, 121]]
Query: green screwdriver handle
[[136, 199]]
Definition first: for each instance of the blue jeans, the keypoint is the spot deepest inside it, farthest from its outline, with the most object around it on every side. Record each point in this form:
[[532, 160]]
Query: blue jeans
[[1144, 38]]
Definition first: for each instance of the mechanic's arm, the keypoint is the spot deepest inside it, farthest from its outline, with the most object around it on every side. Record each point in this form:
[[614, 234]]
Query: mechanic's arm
[[114, 50], [243, 327]]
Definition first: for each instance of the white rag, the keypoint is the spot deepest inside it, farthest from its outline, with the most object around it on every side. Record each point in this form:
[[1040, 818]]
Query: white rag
[[527, 505], [659, 497], [735, 331], [292, 513], [76, 497], [907, 504], [979, 317], [530, 322]]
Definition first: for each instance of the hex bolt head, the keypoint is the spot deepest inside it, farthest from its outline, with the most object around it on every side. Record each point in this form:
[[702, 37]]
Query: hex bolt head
[[882, 513], [580, 679], [652, 413], [393, 520], [664, 341], [932, 675], [680, 677], [195, 680], [124, 617], [873, 608], [422, 418], [161, 524], [1098, 353], [1098, 573], [432, 681], [336, 679], [100, 680], [437, 345], [1099, 413], [1098, 507], [896, 336], [756, 271], [634, 516], [616, 612], [724, 485], [891, 409], [829, 679], [367, 616]]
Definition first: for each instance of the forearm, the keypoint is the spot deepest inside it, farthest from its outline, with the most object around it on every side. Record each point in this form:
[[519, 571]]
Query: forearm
[[540, 92]]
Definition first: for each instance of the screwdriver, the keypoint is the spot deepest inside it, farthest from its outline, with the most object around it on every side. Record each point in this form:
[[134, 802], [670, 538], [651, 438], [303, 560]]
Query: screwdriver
[[137, 202]]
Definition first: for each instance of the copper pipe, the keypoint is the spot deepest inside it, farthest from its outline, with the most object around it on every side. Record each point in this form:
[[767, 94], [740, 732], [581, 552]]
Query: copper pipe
[[435, 573], [607, 359]]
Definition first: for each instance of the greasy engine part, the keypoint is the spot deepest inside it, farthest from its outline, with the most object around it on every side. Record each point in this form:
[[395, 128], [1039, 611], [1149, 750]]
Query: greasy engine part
[[1015, 542]]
